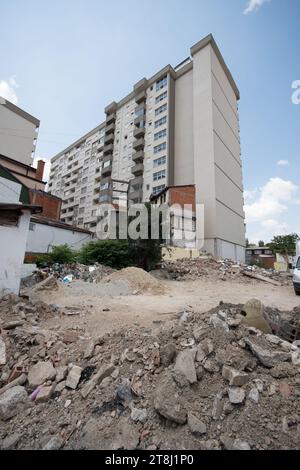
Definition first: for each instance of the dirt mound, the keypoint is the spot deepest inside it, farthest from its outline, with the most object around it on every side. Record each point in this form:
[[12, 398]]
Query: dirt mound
[[138, 280]]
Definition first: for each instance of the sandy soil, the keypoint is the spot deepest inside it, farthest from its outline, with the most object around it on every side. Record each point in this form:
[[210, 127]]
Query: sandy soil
[[102, 310]]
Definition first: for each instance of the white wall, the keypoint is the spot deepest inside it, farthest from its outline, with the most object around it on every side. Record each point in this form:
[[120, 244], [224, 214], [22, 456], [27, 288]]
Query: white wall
[[18, 143], [12, 251], [43, 237]]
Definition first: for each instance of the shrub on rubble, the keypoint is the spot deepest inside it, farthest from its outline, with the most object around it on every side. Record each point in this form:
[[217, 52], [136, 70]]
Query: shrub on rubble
[[62, 254], [113, 253]]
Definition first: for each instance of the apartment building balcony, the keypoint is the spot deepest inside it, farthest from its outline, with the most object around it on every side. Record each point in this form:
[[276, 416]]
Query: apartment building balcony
[[108, 149], [141, 97], [107, 171], [139, 132], [110, 129], [109, 139], [111, 119], [106, 180], [136, 196], [137, 169], [140, 110], [139, 144], [138, 156]]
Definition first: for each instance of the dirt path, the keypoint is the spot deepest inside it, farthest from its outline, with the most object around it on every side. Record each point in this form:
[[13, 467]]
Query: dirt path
[[102, 311]]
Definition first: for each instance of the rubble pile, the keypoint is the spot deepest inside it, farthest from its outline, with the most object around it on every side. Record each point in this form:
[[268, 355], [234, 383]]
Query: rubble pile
[[93, 273], [202, 381], [215, 269], [85, 273]]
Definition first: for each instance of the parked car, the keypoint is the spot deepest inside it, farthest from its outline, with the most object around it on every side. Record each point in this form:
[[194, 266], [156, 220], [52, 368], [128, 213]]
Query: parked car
[[296, 278]]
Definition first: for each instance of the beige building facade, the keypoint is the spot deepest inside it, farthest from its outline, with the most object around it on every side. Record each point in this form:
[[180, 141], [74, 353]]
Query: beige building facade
[[18, 133], [178, 128]]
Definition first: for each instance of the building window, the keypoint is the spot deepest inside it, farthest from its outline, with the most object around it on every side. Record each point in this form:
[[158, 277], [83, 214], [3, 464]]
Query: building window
[[159, 175], [160, 121], [161, 109], [161, 97], [81, 210], [160, 147], [84, 180], [82, 200], [80, 221], [83, 190], [159, 161], [158, 189], [161, 83], [160, 134]]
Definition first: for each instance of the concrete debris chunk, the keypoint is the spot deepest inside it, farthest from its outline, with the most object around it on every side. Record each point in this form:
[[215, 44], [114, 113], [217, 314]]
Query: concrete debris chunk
[[2, 352], [185, 365], [89, 351], [138, 415], [168, 354], [105, 371], [240, 445], [12, 402], [73, 377], [167, 401], [40, 373], [267, 357], [197, 427], [236, 395], [55, 443], [254, 395], [218, 406], [234, 377], [44, 394]]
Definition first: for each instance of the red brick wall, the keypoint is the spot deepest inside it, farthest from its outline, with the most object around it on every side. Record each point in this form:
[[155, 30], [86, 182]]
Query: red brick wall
[[51, 205], [183, 195]]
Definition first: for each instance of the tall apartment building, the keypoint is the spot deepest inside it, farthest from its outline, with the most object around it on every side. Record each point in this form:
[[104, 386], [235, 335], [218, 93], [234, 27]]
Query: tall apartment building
[[177, 128], [18, 133]]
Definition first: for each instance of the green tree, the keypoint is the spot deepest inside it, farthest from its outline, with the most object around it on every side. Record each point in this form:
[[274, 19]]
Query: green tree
[[284, 244], [261, 243], [146, 253], [113, 253]]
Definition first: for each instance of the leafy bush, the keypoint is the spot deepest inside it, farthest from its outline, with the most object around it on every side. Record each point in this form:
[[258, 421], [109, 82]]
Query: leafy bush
[[62, 254], [113, 253]]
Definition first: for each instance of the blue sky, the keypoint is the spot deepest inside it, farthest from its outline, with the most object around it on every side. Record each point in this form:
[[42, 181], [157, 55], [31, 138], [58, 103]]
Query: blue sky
[[64, 61]]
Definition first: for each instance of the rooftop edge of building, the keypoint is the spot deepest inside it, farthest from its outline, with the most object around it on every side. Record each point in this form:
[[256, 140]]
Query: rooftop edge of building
[[175, 73]]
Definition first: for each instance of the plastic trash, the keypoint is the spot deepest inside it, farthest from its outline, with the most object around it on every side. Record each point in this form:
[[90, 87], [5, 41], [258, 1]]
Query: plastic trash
[[35, 392], [68, 279]]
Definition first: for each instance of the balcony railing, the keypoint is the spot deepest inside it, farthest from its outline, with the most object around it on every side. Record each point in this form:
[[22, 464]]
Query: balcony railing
[[139, 144]]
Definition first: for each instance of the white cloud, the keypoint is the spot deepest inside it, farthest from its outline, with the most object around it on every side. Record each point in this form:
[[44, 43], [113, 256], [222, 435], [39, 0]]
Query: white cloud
[[8, 90], [267, 206], [250, 195], [283, 163], [271, 201], [254, 5]]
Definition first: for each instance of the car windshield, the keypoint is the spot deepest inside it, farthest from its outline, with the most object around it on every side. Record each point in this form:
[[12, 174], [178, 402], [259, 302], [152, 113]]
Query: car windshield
[[298, 263]]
